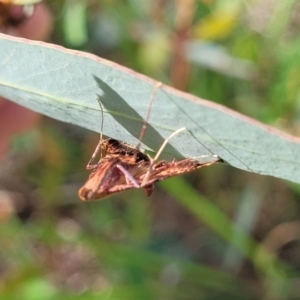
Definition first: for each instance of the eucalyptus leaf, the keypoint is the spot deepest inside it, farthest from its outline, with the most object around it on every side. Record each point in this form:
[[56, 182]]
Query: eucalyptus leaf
[[66, 85]]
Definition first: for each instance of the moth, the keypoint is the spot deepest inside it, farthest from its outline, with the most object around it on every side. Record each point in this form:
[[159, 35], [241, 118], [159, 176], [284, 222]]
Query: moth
[[122, 167]]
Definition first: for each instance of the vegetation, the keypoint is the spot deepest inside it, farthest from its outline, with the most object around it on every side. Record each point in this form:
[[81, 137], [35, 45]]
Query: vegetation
[[218, 233]]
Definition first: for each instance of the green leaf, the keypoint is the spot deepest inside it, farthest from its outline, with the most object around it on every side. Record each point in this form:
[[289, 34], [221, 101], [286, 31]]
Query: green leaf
[[75, 23], [66, 85]]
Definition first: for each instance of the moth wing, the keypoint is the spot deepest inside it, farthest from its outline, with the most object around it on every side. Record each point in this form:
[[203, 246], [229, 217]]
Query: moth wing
[[164, 170], [98, 184]]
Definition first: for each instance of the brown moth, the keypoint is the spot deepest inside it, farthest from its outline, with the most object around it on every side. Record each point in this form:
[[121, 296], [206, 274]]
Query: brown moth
[[114, 175], [108, 174], [122, 167]]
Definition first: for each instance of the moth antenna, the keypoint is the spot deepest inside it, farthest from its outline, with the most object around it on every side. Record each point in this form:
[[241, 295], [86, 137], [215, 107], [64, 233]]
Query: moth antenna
[[144, 127], [146, 178]]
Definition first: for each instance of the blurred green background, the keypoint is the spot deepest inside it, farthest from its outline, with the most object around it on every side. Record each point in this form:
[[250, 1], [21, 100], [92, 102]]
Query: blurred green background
[[217, 233]]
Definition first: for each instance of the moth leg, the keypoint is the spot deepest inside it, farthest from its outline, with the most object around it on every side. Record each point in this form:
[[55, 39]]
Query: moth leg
[[153, 160], [89, 165], [128, 176], [144, 127]]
